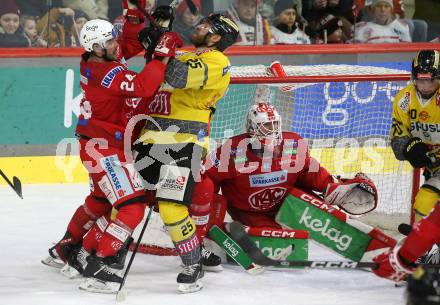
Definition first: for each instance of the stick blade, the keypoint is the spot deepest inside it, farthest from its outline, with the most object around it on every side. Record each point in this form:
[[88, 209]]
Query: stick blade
[[121, 295], [191, 6], [17, 186]]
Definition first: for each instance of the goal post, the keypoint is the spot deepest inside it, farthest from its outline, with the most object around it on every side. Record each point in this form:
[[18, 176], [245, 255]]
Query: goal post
[[344, 112]]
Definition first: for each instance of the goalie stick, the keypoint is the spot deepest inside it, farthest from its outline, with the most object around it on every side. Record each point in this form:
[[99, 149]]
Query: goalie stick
[[238, 233], [121, 295], [15, 184]]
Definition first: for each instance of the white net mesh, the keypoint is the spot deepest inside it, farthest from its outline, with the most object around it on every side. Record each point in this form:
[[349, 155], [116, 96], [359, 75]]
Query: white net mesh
[[346, 124]]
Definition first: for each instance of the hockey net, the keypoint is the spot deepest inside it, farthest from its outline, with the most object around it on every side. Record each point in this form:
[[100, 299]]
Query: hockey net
[[344, 111]]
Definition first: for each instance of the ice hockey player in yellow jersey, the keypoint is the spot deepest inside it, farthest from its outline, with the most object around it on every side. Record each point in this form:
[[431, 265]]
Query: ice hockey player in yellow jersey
[[174, 141], [415, 130]]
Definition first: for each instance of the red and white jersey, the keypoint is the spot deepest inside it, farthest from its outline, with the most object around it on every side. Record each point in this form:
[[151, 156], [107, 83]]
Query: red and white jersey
[[297, 37], [370, 32], [113, 94], [258, 183]]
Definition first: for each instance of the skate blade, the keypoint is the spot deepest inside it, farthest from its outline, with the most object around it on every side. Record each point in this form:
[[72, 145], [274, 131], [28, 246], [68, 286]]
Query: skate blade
[[53, 262], [121, 295], [217, 268], [70, 272], [94, 285], [189, 288]]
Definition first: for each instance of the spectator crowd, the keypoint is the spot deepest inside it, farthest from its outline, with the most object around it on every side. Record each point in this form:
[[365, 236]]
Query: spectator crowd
[[57, 23]]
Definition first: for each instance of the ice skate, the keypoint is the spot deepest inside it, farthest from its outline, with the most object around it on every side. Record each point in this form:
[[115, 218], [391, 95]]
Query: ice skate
[[76, 263], [189, 279], [99, 277], [211, 262]]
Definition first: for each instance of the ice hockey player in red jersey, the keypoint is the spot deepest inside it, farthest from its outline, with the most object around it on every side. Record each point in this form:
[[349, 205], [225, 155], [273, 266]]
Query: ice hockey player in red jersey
[[111, 94], [256, 169], [397, 263]]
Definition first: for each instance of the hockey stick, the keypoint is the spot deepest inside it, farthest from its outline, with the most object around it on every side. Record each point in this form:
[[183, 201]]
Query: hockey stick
[[15, 184], [191, 6], [238, 233], [121, 295]]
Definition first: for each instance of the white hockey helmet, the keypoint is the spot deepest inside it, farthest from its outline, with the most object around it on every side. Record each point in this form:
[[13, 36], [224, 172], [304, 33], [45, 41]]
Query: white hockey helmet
[[263, 123], [96, 31]]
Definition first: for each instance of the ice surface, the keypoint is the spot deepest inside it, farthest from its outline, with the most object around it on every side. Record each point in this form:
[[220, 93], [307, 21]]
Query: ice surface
[[28, 227]]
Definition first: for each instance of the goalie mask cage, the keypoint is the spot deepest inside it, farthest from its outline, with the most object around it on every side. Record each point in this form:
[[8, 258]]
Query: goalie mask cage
[[344, 112]]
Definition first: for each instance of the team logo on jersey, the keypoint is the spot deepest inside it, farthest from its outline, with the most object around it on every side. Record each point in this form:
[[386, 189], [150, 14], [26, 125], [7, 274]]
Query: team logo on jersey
[[437, 99], [108, 78], [423, 115], [404, 102], [268, 179], [267, 198], [181, 180]]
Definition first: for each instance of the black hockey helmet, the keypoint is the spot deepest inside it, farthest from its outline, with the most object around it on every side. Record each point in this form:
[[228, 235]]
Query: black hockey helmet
[[424, 287], [426, 65], [223, 26]]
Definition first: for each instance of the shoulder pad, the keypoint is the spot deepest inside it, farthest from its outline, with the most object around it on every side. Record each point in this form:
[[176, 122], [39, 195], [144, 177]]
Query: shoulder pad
[[291, 135]]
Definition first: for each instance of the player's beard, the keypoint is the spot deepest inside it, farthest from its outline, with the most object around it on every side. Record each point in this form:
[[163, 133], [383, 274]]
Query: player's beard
[[198, 40], [114, 55]]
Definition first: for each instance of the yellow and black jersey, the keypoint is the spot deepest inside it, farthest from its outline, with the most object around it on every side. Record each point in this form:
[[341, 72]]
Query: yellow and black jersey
[[182, 113], [414, 116]]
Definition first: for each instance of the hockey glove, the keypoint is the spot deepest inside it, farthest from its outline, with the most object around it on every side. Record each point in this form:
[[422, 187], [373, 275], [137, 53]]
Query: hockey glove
[[149, 38], [416, 153], [167, 45], [164, 16], [355, 196], [131, 11], [391, 266]]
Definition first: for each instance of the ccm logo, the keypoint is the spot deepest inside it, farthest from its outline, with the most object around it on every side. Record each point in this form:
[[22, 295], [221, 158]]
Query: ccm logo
[[283, 234]]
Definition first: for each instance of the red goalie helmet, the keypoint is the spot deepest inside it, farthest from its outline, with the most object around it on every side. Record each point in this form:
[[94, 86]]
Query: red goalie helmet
[[264, 124]]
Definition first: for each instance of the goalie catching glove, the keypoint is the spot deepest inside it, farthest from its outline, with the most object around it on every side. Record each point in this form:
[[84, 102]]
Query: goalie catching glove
[[355, 196]]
